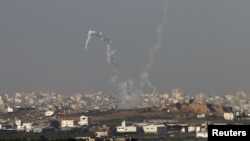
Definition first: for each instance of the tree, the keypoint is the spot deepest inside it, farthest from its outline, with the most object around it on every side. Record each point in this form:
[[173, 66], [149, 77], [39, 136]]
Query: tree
[[178, 105], [55, 124]]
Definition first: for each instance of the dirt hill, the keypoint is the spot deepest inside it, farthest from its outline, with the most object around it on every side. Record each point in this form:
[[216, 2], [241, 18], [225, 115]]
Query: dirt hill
[[205, 108], [177, 111]]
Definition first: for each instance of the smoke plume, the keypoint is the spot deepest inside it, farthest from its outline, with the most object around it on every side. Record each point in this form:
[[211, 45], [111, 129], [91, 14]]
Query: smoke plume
[[129, 91], [110, 54]]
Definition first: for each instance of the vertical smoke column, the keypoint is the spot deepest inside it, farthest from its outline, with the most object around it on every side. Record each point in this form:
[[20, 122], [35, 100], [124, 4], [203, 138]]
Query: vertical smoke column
[[130, 96], [154, 50], [122, 99], [156, 47], [144, 78], [111, 59]]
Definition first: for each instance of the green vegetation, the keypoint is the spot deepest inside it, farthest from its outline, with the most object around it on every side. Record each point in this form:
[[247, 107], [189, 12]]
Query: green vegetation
[[24, 136]]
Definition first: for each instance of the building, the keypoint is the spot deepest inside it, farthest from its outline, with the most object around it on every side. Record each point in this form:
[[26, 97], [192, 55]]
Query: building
[[20, 128], [9, 110], [28, 127], [85, 138], [101, 134], [84, 121], [228, 116], [191, 128], [19, 125], [49, 113], [124, 128], [201, 115], [18, 122], [67, 123], [178, 128], [155, 129], [202, 134], [38, 129]]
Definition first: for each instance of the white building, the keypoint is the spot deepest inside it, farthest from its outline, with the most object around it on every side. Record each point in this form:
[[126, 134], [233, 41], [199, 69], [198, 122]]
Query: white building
[[84, 120], [197, 129], [201, 115], [18, 122], [9, 110], [28, 127], [191, 129], [156, 129], [67, 123], [20, 128], [126, 129], [49, 113], [228, 116], [101, 134], [202, 134]]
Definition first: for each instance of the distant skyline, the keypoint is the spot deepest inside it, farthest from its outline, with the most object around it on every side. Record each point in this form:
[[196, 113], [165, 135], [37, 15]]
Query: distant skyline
[[197, 46]]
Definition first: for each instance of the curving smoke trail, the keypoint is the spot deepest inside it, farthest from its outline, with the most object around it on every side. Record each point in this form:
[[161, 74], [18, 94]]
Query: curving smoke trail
[[129, 96], [110, 54], [90, 32], [93, 32]]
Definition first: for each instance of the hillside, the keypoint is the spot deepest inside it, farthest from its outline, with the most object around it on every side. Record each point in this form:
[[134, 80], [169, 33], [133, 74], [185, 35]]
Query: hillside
[[176, 112], [205, 108]]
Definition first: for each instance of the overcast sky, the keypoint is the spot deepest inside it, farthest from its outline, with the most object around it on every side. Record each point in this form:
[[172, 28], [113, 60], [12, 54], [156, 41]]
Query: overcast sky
[[204, 47]]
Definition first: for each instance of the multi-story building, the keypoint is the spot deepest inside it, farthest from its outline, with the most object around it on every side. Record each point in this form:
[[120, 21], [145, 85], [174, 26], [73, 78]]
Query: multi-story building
[[84, 120], [67, 123]]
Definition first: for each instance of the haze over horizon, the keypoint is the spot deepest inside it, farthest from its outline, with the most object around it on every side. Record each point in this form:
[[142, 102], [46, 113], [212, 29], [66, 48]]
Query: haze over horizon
[[204, 45]]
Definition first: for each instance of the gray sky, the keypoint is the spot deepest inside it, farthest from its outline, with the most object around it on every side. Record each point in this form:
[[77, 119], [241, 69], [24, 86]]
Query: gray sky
[[205, 45]]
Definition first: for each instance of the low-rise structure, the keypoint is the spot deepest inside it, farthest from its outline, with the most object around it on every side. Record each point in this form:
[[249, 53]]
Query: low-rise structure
[[203, 134], [201, 115], [124, 128], [228, 116], [155, 129], [101, 134], [28, 127], [49, 113]]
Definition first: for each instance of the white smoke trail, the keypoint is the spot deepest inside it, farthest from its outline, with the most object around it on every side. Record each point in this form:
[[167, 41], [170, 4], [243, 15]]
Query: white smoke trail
[[152, 52], [165, 12], [129, 95], [122, 95], [110, 54], [157, 46], [144, 77], [90, 32], [100, 35]]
